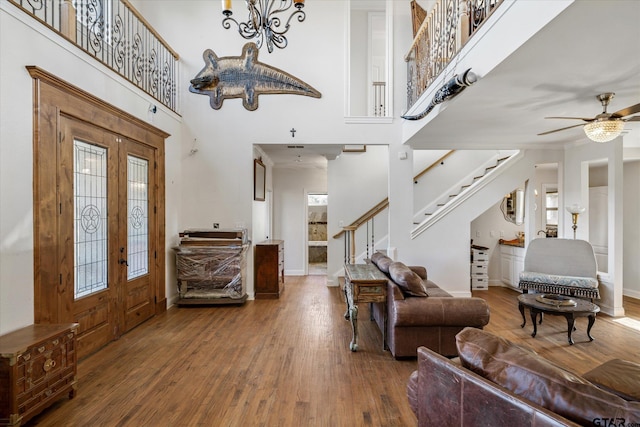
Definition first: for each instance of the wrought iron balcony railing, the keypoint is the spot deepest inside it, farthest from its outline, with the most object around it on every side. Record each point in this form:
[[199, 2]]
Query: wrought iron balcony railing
[[114, 33], [442, 34]]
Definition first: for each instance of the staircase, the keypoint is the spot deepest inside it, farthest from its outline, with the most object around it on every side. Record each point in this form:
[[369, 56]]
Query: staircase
[[469, 185], [462, 188]]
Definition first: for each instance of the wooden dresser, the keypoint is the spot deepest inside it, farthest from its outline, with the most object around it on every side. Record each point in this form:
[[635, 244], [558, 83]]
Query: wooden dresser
[[37, 367], [269, 269]]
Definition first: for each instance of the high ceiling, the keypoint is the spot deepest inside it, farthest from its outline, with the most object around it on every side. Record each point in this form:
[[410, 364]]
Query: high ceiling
[[591, 48], [308, 156]]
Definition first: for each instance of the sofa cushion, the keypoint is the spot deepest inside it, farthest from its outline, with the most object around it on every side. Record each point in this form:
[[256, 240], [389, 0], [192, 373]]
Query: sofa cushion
[[532, 377], [419, 270], [381, 261], [618, 376], [554, 279], [407, 280]]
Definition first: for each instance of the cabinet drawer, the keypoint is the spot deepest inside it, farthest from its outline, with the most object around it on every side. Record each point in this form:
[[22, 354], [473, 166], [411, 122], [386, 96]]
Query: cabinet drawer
[[480, 283], [371, 290], [479, 268]]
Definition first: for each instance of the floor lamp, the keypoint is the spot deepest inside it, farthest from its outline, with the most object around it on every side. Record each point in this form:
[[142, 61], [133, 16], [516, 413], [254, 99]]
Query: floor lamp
[[575, 210]]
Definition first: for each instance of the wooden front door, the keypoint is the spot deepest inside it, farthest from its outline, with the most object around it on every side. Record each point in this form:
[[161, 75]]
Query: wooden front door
[[107, 198]]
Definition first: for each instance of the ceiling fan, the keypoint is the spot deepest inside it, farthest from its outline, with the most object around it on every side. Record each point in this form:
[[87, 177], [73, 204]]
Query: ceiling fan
[[605, 126]]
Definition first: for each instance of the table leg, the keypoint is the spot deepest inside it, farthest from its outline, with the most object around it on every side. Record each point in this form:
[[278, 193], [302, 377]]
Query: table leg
[[346, 298], [524, 319], [384, 327], [353, 346], [534, 315], [592, 320], [570, 327]]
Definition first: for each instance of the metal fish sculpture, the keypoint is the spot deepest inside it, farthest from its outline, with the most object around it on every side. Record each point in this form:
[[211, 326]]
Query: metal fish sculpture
[[244, 77]]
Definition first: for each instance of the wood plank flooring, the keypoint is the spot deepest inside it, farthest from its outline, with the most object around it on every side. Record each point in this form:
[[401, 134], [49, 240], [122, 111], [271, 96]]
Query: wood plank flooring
[[612, 339], [286, 362]]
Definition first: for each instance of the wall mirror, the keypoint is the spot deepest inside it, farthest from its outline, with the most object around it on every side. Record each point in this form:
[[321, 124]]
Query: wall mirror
[[369, 73], [259, 180], [512, 206]]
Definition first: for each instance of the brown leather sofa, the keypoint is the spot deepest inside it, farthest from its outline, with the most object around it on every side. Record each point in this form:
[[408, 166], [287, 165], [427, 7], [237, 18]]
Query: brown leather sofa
[[419, 313], [498, 383]]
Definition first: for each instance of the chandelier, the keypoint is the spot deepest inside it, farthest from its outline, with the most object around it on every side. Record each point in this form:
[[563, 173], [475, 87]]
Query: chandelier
[[263, 22], [604, 130]]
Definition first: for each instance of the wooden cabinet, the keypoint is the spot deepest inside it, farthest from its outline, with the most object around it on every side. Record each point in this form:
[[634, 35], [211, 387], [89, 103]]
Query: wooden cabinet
[[37, 367], [269, 269]]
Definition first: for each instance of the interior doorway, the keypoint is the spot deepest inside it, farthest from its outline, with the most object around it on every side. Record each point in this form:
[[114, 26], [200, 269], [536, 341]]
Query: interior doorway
[[317, 233]]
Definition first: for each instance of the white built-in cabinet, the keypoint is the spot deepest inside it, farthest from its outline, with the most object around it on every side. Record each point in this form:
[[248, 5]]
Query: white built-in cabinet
[[511, 264]]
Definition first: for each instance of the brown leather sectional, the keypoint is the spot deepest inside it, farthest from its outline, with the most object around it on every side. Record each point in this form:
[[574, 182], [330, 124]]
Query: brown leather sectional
[[498, 383], [431, 320]]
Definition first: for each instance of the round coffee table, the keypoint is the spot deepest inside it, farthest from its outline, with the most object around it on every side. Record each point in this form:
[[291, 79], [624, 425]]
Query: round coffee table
[[581, 308]]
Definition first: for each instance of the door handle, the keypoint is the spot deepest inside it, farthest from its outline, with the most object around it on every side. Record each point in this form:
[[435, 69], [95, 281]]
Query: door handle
[[122, 260]]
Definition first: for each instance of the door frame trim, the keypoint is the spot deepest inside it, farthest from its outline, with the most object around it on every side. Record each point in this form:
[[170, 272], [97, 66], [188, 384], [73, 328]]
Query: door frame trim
[[53, 97]]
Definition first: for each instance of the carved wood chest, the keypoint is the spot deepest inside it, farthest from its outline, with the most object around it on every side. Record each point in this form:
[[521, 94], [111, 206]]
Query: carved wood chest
[[37, 367]]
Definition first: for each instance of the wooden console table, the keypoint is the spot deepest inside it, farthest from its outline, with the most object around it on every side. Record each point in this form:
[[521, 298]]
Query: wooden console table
[[364, 283]]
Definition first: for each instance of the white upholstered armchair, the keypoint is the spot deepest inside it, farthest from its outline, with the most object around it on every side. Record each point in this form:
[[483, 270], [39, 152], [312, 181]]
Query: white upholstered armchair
[[562, 267]]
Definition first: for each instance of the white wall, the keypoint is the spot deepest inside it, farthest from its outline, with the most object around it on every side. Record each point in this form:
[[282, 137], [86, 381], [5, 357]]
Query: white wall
[[24, 42], [632, 229]]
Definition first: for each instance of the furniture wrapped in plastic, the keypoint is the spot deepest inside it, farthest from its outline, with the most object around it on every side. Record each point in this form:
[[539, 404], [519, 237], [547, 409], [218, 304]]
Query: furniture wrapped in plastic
[[210, 265]]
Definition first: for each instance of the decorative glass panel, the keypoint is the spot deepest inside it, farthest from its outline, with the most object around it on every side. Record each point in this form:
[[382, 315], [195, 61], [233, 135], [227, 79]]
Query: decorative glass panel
[[90, 213], [138, 213]]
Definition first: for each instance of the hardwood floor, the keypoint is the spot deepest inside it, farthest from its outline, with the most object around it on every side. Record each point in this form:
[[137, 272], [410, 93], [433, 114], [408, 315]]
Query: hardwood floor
[[286, 362], [612, 339]]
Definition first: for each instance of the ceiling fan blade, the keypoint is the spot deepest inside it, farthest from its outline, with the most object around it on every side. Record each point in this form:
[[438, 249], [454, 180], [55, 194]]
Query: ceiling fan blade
[[627, 111], [573, 118], [633, 119], [558, 130]]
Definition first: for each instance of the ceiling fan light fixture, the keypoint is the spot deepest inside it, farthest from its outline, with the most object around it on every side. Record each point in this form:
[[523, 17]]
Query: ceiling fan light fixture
[[603, 130]]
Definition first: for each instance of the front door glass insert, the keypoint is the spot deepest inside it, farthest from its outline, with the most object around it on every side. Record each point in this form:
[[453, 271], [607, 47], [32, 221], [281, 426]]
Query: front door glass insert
[[138, 212], [90, 212]]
